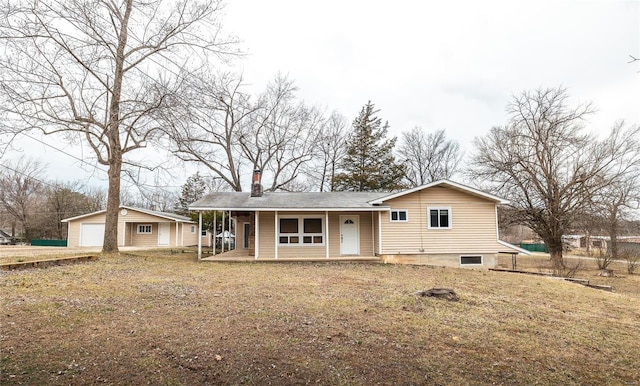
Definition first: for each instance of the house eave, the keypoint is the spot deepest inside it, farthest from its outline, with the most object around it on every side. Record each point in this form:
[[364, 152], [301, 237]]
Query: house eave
[[450, 183], [150, 213], [301, 209]]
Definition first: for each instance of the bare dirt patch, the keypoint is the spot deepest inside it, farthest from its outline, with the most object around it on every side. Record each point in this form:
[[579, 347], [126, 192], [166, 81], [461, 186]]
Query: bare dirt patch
[[160, 318]]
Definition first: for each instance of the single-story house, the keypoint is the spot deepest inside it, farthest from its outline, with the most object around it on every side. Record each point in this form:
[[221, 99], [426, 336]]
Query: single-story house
[[136, 228], [442, 223]]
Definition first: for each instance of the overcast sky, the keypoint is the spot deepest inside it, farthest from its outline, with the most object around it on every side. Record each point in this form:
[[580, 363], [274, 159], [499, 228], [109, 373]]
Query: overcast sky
[[439, 64]]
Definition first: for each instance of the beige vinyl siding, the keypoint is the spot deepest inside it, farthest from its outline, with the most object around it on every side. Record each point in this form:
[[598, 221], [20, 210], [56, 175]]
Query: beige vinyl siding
[[266, 238], [267, 235], [189, 238], [473, 221], [145, 240], [73, 238]]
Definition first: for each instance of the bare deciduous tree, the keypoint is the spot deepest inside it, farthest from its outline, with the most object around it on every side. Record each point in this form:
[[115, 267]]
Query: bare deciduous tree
[[60, 201], [280, 137], [98, 71], [428, 157], [232, 134], [208, 130], [330, 148], [620, 194], [547, 166], [21, 189]]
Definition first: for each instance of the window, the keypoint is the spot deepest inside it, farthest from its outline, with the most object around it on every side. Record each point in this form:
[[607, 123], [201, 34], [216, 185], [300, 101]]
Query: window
[[470, 260], [291, 233], [204, 232], [144, 229], [399, 216], [193, 229], [439, 218]]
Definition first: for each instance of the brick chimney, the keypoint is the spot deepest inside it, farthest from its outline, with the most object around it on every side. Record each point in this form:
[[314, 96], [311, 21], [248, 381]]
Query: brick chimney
[[256, 187]]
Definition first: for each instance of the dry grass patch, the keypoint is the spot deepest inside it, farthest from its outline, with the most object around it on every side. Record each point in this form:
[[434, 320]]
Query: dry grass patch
[[165, 319]]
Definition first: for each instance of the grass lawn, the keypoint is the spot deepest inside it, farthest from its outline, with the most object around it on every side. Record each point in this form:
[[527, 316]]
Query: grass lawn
[[158, 318]]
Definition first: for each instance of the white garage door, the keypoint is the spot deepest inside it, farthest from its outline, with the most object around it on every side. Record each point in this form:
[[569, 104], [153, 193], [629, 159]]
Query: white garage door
[[91, 235]]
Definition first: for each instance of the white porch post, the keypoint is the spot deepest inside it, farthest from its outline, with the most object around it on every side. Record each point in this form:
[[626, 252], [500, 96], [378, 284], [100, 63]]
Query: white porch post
[[234, 234], [200, 238], [275, 226], [177, 233], [222, 233], [373, 232], [380, 233], [326, 232], [215, 229], [256, 239]]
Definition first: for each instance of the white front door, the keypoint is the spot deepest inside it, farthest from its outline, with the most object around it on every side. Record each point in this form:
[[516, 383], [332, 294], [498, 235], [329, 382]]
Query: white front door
[[164, 231], [349, 235]]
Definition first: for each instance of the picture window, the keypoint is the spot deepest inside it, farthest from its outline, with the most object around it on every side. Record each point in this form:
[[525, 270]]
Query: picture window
[[300, 231]]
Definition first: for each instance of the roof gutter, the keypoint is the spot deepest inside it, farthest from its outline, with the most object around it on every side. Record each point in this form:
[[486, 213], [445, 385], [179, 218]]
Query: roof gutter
[[368, 209]]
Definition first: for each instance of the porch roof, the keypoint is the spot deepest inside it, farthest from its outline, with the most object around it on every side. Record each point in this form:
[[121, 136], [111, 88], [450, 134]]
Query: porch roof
[[290, 201]]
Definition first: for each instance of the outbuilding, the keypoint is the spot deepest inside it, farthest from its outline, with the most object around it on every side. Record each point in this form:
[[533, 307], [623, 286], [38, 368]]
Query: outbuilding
[[137, 227]]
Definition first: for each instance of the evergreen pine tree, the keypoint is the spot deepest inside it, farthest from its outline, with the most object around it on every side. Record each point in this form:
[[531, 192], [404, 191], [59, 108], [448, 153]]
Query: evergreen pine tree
[[369, 165], [192, 190]]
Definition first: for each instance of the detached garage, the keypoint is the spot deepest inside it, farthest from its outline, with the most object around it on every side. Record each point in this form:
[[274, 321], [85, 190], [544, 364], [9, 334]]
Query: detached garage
[[136, 228]]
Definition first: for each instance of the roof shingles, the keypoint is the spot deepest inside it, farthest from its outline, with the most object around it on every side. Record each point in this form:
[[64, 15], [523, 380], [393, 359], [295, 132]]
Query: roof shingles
[[287, 200]]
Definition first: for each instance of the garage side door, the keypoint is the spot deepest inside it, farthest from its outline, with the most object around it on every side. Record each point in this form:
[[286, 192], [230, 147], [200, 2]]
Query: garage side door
[[91, 235]]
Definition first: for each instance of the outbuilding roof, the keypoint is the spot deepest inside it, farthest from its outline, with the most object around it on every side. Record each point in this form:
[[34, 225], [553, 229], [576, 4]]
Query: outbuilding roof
[[165, 215]]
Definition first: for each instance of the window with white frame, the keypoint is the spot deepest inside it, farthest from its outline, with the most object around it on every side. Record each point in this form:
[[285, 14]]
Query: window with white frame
[[144, 229], [439, 218], [471, 260], [300, 231], [193, 229], [399, 215]]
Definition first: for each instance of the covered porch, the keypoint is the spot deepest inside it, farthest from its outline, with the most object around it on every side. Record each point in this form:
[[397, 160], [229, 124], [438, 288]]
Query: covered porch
[[240, 255], [294, 235]]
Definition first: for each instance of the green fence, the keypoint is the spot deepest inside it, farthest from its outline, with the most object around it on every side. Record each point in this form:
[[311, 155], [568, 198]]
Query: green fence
[[631, 247], [535, 247], [49, 243]]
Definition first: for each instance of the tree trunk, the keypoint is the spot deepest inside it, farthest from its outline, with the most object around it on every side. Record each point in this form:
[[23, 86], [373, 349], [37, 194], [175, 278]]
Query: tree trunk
[[613, 236], [556, 260], [110, 244]]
